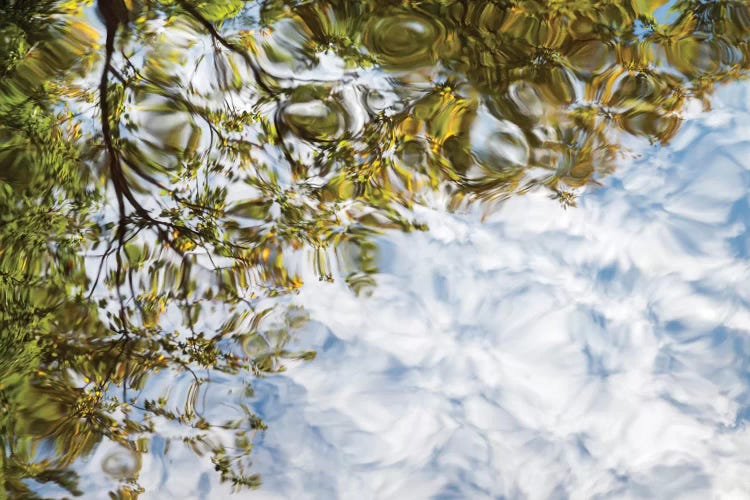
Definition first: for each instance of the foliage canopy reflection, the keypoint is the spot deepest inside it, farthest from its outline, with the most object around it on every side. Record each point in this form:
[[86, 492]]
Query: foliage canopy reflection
[[167, 165]]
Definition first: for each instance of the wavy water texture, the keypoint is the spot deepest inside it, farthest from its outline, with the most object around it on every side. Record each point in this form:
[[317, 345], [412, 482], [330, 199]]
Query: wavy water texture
[[598, 352], [508, 230]]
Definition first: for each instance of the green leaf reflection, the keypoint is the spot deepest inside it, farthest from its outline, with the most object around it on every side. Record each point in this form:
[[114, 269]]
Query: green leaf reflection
[[166, 167]]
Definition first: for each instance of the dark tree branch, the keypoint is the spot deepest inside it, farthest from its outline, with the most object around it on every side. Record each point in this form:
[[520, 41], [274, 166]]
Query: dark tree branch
[[208, 25]]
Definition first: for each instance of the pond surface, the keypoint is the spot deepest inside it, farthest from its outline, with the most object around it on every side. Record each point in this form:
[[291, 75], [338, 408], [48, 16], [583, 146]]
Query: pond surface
[[321, 249]]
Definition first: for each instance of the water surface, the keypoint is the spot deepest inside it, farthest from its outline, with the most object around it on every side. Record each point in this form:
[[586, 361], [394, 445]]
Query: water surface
[[436, 249]]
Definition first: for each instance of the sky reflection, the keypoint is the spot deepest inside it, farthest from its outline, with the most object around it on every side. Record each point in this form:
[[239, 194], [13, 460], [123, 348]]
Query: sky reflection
[[510, 293], [598, 352]]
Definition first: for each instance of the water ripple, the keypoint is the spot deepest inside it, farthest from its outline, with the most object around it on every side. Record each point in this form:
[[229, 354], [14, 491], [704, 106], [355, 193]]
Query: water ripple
[[596, 353]]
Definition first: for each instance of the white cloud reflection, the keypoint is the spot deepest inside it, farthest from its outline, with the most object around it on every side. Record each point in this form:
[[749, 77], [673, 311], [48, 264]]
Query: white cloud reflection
[[598, 352]]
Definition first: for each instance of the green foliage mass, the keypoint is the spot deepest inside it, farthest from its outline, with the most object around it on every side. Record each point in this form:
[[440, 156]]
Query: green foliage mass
[[167, 165]]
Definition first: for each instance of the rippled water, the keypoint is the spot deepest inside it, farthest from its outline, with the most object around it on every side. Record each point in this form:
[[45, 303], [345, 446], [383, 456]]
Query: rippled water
[[598, 352], [437, 249]]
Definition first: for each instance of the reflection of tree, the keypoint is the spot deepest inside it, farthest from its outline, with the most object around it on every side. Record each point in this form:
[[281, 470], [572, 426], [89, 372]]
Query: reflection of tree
[[552, 81], [157, 185]]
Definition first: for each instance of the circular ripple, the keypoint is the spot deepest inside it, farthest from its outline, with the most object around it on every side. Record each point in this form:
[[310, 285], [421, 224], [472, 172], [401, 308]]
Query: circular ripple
[[314, 115], [500, 144], [122, 464], [404, 39]]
